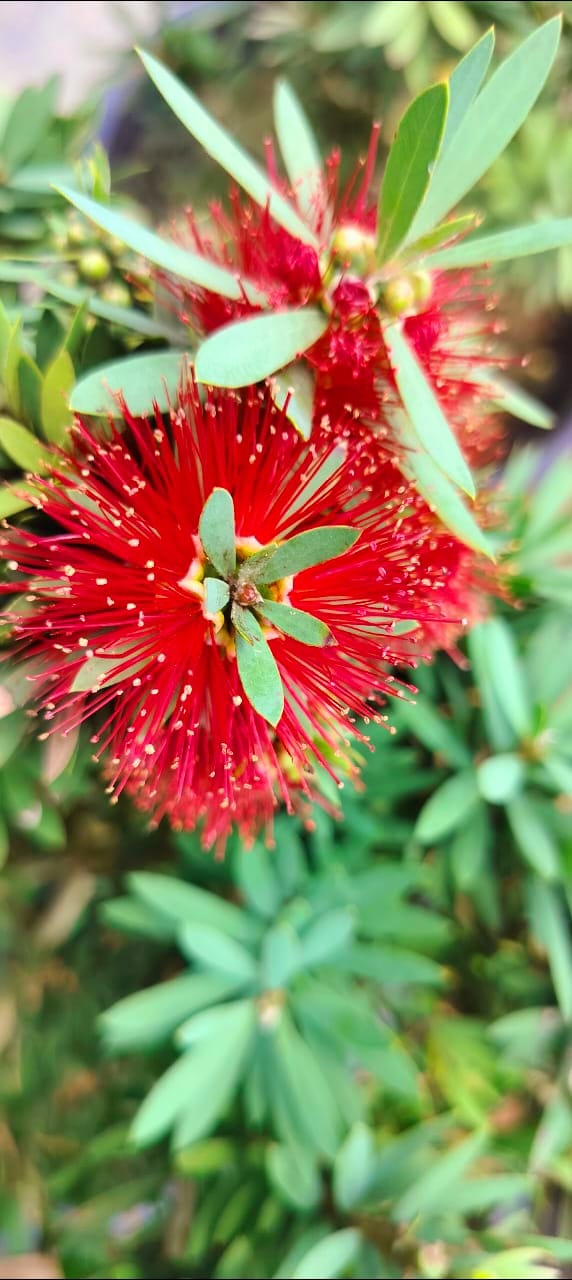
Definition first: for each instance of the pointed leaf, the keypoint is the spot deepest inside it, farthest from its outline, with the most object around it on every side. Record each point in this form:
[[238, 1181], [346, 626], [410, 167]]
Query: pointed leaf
[[490, 123], [427, 418], [409, 166], [450, 805], [441, 234], [354, 1168], [303, 551], [298, 147], [503, 246], [217, 594], [533, 838], [551, 924], [249, 350], [187, 904], [510, 398], [296, 385], [215, 950], [259, 674], [440, 495], [56, 412], [16, 498], [328, 937], [142, 380], [506, 674], [465, 83], [500, 777], [430, 1193], [217, 533], [150, 1016], [23, 448], [294, 622], [330, 1257], [221, 147], [163, 253]]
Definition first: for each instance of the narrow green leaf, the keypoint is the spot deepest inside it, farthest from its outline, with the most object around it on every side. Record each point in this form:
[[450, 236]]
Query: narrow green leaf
[[328, 937], [535, 842], [294, 622], [510, 398], [217, 594], [259, 674], [212, 948], [500, 777], [440, 495], [142, 380], [303, 551], [281, 955], [128, 317], [330, 1257], [150, 1016], [23, 448], [187, 904], [551, 924], [27, 125], [465, 83], [296, 385], [392, 966], [430, 1193], [224, 150], [30, 382], [294, 1175], [450, 805], [298, 1074], [217, 532], [59, 379], [102, 671], [163, 253], [502, 246], [506, 674], [431, 428], [432, 729], [354, 1168], [454, 22], [16, 498], [441, 234], [413, 153], [490, 123], [298, 147], [247, 351]]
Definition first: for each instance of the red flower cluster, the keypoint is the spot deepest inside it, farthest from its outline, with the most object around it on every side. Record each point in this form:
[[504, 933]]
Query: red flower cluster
[[446, 316], [115, 623]]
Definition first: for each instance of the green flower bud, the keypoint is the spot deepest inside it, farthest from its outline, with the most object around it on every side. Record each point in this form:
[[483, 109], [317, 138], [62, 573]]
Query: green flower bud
[[399, 295], [94, 266], [116, 293], [422, 286]]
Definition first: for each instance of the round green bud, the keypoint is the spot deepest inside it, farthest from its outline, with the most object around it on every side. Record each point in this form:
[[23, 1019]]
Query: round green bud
[[94, 266], [116, 293], [399, 295], [422, 286], [77, 231], [355, 248]]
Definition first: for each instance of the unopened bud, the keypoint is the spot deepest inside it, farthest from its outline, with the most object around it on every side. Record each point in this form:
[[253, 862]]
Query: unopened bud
[[94, 266], [399, 295]]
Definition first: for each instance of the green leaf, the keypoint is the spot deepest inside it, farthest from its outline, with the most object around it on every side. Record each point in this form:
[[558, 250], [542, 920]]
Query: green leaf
[[209, 946], [453, 22], [430, 1193], [469, 851], [247, 351], [187, 904], [330, 1258], [217, 595], [432, 431], [281, 955], [303, 551], [298, 1075], [257, 879], [450, 805], [142, 380], [510, 398], [217, 532], [500, 777], [440, 235], [26, 125], [150, 1016], [294, 622], [506, 674], [533, 838], [16, 498], [551, 924], [224, 150], [163, 253], [503, 246], [56, 413], [428, 724], [257, 669], [295, 1177], [328, 937], [23, 448], [354, 1168], [299, 149], [30, 383], [197, 1088], [128, 317], [392, 966], [407, 175], [465, 83], [296, 385], [489, 124]]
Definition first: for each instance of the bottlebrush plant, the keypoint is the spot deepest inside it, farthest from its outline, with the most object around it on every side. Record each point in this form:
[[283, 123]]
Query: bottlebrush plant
[[277, 576]]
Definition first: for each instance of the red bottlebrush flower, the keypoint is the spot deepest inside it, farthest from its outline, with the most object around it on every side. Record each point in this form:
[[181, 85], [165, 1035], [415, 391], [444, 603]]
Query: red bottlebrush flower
[[446, 316], [128, 621]]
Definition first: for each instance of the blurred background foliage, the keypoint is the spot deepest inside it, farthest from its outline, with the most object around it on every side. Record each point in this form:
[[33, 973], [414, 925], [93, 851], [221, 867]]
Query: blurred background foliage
[[379, 1009]]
